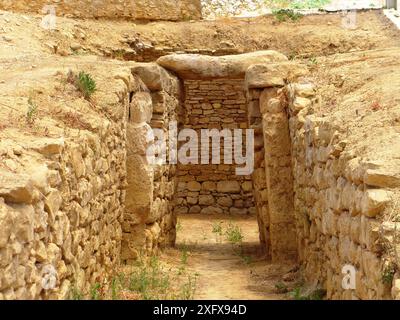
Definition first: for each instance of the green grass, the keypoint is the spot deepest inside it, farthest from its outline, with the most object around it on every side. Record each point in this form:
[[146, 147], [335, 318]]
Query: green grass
[[31, 114], [317, 294], [388, 275], [95, 292], [234, 234], [286, 14], [86, 84]]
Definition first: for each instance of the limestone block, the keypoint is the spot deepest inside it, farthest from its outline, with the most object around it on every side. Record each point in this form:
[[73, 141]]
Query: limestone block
[[193, 66], [209, 186], [6, 223], [47, 146], [193, 186], [154, 77], [238, 211], [206, 200], [247, 186], [211, 210], [386, 175], [141, 108], [16, 188], [140, 184], [138, 139], [225, 201], [273, 74], [374, 201], [195, 209], [192, 200], [181, 210], [228, 187]]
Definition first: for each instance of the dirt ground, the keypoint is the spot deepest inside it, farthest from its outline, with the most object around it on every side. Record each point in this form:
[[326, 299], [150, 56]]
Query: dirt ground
[[22, 40], [224, 270]]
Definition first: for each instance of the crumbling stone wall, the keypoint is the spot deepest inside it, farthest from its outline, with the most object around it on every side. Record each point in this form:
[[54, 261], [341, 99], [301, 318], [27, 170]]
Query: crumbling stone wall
[[61, 213], [214, 188], [338, 203], [174, 10]]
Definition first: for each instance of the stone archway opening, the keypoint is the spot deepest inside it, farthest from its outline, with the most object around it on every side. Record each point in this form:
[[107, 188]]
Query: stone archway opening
[[220, 95]]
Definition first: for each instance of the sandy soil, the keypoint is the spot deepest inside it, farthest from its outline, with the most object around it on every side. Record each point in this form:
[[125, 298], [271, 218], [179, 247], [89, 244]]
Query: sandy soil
[[224, 271], [23, 39]]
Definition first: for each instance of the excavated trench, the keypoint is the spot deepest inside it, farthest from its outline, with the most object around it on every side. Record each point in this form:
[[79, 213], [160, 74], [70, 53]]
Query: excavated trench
[[319, 199]]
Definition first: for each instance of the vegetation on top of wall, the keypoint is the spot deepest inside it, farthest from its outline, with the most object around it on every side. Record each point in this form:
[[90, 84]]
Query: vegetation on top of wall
[[84, 82], [286, 14]]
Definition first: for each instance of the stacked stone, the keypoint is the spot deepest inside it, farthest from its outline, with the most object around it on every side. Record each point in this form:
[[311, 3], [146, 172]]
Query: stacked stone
[[258, 177], [60, 217], [214, 188], [149, 221], [338, 201], [123, 9], [278, 217]]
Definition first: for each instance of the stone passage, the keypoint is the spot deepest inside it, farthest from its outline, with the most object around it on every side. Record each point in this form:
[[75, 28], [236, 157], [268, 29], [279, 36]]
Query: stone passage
[[214, 188]]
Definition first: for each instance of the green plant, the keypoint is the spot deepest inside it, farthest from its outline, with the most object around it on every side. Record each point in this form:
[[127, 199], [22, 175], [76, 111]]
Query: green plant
[[388, 274], [184, 255], [115, 289], [234, 234], [246, 259], [178, 226], [188, 289], [76, 294], [86, 84], [285, 14], [95, 291], [32, 111], [317, 294], [281, 287]]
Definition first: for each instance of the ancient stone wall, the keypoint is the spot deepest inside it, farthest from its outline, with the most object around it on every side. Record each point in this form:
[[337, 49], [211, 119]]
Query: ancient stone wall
[[338, 203], [62, 203], [174, 10], [334, 200], [149, 221], [214, 188]]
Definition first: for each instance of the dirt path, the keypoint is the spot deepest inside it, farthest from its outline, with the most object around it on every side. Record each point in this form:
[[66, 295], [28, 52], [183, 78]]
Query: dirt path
[[225, 271]]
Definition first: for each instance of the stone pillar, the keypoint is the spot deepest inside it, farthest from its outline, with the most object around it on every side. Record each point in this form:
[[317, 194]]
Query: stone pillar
[[276, 209], [278, 175]]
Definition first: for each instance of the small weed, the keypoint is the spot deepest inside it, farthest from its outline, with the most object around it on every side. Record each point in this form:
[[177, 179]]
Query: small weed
[[388, 274], [184, 255], [218, 231], [178, 226], [313, 61], [234, 234], [115, 289], [95, 292], [284, 14], [85, 84], [32, 111], [281, 288], [188, 289], [76, 294], [246, 259], [317, 294]]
